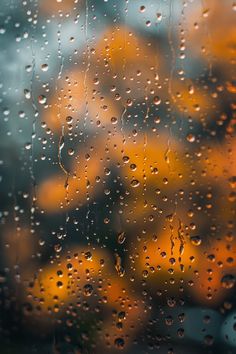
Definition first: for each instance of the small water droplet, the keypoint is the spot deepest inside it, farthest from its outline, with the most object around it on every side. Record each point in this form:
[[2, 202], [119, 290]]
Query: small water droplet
[[142, 8], [42, 99], [44, 67], [121, 238], [27, 94], [28, 146], [228, 281], [113, 120], [88, 255], [135, 183], [156, 100], [119, 343], [196, 240], [71, 152], [191, 138], [88, 290]]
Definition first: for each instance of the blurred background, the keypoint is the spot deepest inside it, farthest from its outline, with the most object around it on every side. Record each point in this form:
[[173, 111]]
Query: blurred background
[[118, 176]]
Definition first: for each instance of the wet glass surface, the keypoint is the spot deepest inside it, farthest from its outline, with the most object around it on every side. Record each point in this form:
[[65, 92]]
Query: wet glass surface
[[117, 176]]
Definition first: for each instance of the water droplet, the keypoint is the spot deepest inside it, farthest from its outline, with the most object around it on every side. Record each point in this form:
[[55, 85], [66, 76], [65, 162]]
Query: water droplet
[[228, 281], [88, 255], [121, 238], [44, 67], [113, 120], [61, 143], [119, 343], [28, 68], [196, 240], [120, 270], [27, 94], [135, 183], [42, 99], [191, 138], [232, 181], [59, 284], [28, 146], [191, 89], [71, 152], [156, 100], [69, 119], [142, 8], [88, 290]]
